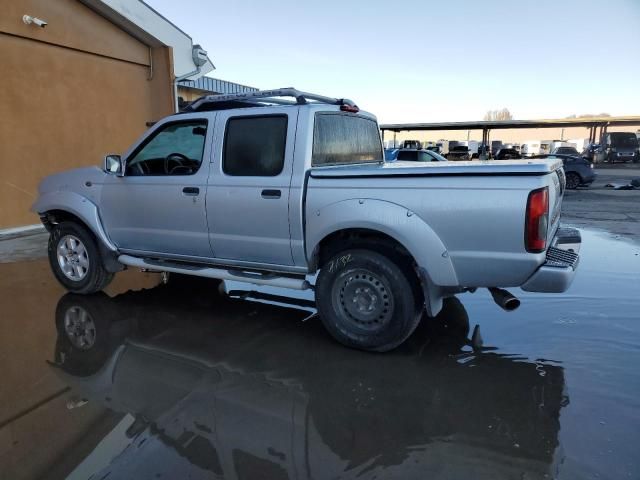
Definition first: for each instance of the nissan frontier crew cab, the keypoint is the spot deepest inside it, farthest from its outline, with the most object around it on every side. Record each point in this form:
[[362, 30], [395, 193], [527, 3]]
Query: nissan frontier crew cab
[[290, 189]]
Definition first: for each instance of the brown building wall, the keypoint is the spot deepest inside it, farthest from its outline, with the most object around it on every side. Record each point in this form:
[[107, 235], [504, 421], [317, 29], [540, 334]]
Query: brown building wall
[[161, 85], [69, 94]]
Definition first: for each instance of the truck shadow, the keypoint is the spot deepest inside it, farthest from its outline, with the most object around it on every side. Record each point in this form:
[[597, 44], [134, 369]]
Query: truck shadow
[[217, 386]]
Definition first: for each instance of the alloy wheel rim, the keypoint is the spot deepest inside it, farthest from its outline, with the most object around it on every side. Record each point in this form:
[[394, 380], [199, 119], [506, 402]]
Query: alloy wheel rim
[[73, 258], [572, 181], [80, 328]]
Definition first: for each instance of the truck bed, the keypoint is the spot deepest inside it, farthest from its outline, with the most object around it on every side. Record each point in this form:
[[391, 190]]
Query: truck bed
[[471, 214]]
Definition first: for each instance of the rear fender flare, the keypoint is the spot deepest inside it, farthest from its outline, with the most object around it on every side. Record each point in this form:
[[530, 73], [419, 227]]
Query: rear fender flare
[[394, 220]]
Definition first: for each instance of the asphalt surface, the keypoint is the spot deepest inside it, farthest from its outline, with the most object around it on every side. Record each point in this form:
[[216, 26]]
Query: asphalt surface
[[607, 209], [190, 379]]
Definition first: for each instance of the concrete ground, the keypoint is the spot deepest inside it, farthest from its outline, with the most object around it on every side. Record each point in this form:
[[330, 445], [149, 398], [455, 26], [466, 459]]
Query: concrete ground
[[19, 248]]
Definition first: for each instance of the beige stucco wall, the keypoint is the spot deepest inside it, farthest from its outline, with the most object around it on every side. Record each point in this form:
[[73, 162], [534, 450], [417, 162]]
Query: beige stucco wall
[[70, 93]]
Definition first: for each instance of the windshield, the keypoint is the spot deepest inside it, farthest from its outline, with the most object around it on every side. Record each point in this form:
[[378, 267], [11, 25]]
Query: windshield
[[624, 140], [437, 156], [567, 150]]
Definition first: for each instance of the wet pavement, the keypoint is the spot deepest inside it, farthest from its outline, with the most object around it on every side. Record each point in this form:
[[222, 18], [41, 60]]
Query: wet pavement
[[596, 206], [181, 380]]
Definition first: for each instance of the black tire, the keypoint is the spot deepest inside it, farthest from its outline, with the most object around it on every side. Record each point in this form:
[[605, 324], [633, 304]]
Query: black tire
[[368, 299], [94, 276], [573, 180]]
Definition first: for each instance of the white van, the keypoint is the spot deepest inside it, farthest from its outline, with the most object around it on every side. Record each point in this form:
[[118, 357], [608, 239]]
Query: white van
[[530, 148], [473, 148]]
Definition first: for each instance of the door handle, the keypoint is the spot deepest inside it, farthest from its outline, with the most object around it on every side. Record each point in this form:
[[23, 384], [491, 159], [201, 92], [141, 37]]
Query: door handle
[[271, 193], [191, 191]]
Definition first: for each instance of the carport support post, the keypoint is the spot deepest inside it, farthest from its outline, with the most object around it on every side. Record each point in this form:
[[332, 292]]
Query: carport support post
[[485, 140]]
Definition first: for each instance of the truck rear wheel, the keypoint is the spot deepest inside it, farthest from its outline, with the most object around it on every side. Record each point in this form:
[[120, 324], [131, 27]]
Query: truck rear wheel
[[368, 300], [75, 259]]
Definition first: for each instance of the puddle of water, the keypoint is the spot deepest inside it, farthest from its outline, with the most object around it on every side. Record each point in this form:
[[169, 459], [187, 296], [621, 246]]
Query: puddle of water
[[199, 384]]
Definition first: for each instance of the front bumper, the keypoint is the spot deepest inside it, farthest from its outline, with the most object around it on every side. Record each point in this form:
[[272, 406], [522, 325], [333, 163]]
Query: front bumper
[[556, 273]]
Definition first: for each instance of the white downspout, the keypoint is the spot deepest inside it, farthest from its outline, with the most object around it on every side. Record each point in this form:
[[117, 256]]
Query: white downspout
[[175, 85], [199, 57]]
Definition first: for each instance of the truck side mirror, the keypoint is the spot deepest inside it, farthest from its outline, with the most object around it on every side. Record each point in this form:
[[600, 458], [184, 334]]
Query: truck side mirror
[[114, 165]]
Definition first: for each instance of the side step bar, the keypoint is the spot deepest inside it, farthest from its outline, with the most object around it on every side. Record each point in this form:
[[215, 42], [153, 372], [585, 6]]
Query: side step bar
[[210, 272]]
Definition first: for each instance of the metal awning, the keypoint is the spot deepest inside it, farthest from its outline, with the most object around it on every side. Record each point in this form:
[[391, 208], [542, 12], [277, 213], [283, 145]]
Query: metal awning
[[509, 124]]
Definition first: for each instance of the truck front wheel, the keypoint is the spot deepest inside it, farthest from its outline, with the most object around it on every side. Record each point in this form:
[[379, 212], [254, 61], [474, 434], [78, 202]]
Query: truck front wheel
[[368, 300], [75, 259]]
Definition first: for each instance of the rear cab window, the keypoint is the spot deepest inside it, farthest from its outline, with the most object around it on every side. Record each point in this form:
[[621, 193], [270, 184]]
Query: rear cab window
[[344, 139]]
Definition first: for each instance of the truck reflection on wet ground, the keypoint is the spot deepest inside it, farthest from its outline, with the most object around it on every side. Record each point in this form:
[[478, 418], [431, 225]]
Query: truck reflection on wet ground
[[190, 379], [256, 390]]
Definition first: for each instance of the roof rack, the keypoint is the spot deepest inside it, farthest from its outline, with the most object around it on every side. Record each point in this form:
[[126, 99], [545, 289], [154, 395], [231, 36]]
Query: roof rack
[[248, 99]]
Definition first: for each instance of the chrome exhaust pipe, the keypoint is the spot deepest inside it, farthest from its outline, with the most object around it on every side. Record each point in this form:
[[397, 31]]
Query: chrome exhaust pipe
[[504, 299]]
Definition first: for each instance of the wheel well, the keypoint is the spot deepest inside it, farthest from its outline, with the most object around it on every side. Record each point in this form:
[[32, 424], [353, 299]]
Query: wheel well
[[356, 237], [53, 217], [109, 258]]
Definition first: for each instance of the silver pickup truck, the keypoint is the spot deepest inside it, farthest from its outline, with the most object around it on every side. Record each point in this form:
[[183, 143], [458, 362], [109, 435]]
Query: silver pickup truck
[[290, 189]]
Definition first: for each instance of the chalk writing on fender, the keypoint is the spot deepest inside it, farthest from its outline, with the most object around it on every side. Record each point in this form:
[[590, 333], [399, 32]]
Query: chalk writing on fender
[[339, 262]]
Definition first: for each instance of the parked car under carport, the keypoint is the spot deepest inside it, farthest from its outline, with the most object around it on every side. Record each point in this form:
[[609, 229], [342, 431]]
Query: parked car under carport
[[578, 170], [412, 155]]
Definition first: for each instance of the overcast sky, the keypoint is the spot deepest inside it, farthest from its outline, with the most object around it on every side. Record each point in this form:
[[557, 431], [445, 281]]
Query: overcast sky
[[442, 60]]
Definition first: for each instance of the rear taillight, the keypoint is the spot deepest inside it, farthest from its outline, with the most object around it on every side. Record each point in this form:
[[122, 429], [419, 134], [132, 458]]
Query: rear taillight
[[537, 221]]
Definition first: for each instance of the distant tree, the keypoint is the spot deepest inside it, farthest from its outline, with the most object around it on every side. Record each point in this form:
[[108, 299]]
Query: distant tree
[[503, 114]]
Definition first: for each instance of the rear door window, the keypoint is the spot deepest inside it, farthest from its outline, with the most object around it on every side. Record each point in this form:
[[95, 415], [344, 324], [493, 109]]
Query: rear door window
[[254, 146], [343, 139]]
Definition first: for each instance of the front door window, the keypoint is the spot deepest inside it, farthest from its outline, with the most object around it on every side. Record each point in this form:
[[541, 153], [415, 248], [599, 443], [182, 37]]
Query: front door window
[[174, 149]]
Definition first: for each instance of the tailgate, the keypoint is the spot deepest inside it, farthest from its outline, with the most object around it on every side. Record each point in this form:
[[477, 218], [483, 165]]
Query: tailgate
[[556, 194]]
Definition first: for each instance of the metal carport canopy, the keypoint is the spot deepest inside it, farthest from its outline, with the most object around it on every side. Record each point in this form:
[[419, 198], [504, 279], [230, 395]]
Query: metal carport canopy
[[508, 124]]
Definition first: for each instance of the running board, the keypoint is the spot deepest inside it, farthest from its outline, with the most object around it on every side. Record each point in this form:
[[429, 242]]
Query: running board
[[256, 278]]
